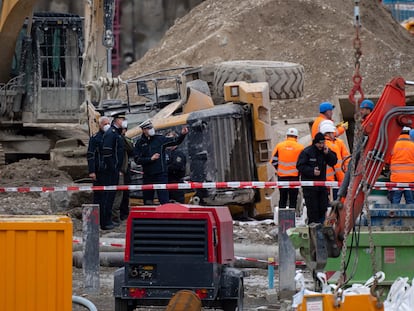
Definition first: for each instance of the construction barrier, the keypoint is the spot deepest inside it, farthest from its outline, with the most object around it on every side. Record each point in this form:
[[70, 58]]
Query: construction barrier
[[269, 262], [207, 185]]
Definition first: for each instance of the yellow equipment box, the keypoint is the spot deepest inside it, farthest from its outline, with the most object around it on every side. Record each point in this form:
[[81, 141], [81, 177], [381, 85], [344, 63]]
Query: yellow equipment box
[[352, 302], [35, 263]]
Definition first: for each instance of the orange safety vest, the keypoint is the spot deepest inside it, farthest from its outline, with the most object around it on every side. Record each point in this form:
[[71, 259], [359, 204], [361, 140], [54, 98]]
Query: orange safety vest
[[315, 126], [284, 157], [345, 155], [402, 160], [334, 173]]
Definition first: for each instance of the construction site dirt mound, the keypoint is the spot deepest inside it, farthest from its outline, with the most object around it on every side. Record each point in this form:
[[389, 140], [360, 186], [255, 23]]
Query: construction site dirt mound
[[32, 173], [320, 35]]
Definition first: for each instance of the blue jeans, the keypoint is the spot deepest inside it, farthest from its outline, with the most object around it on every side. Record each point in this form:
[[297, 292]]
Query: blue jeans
[[397, 195]]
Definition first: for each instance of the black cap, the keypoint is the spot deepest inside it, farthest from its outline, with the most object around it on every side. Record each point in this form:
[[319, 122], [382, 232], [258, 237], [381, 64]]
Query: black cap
[[119, 115], [319, 137]]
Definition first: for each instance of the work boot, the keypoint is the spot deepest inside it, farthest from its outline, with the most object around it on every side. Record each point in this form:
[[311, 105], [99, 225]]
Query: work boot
[[108, 227], [116, 222]]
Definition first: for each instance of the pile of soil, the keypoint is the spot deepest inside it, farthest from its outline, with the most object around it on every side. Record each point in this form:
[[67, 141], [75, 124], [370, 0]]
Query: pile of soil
[[317, 34], [29, 173], [32, 173]]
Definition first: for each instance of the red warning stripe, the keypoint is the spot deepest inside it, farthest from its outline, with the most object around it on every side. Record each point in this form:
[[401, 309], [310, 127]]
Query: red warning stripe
[[207, 185]]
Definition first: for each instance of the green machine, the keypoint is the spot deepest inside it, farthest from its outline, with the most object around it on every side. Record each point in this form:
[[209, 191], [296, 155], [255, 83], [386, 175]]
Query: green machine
[[392, 253]]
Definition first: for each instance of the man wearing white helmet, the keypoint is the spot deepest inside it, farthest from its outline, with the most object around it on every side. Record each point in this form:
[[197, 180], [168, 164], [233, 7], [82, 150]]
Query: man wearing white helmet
[[335, 173], [284, 158]]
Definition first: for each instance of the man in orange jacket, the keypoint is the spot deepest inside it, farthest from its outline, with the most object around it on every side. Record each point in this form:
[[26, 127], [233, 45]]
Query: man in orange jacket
[[334, 173], [284, 158], [402, 166], [325, 113]]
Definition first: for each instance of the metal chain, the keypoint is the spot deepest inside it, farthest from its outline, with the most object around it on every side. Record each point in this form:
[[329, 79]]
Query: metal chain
[[358, 137], [356, 95], [370, 236], [358, 133], [367, 189]]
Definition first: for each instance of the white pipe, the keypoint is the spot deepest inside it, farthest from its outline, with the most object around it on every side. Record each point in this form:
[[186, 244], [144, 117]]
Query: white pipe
[[84, 302], [258, 251]]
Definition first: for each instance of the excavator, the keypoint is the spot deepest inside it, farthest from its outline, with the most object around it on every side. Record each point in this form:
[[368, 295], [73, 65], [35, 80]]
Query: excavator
[[372, 150], [53, 73]]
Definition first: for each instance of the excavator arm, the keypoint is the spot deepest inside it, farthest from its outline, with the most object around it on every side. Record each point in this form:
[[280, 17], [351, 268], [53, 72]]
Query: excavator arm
[[380, 131], [100, 87], [12, 16]]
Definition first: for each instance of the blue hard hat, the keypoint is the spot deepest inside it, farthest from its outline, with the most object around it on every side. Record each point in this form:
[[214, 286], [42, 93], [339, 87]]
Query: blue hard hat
[[411, 135], [366, 103], [325, 106]]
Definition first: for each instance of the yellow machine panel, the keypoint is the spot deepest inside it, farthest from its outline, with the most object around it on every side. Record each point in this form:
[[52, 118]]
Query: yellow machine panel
[[36, 263], [327, 302]]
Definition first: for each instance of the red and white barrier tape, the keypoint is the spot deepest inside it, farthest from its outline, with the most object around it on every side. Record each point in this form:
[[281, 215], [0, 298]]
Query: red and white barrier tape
[[208, 185], [270, 263], [77, 241]]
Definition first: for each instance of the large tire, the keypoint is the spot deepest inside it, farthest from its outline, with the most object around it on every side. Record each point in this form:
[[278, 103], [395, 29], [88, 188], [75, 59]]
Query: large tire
[[285, 79], [235, 304], [122, 305]]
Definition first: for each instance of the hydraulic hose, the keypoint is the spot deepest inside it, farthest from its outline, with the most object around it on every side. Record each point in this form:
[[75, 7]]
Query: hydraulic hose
[[84, 302]]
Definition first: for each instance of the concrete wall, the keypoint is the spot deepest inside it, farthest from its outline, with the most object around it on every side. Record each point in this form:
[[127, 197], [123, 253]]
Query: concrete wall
[[143, 22]]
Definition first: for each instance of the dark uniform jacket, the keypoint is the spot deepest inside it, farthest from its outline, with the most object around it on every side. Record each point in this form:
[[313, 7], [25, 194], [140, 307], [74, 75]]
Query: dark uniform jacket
[[113, 150], [94, 154], [312, 157], [176, 161], [145, 147]]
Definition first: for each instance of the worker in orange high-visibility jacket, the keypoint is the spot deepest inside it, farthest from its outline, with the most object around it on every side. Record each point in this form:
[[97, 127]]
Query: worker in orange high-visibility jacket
[[284, 158], [402, 166], [325, 113], [334, 173], [345, 155]]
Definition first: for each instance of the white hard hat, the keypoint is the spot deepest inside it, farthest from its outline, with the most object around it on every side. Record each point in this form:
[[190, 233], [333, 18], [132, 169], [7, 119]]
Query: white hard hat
[[327, 126], [292, 132], [406, 128]]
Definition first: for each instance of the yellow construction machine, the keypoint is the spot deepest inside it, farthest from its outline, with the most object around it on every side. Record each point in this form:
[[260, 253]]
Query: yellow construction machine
[[229, 142]]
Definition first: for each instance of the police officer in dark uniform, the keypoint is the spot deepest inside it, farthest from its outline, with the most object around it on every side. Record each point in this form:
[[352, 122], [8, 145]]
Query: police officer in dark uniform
[[311, 165], [176, 161], [150, 152], [113, 156], [94, 157]]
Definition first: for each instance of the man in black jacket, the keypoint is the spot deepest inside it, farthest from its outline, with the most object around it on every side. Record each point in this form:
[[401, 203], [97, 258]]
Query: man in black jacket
[[113, 157], [95, 158], [177, 162], [150, 152], [312, 166]]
